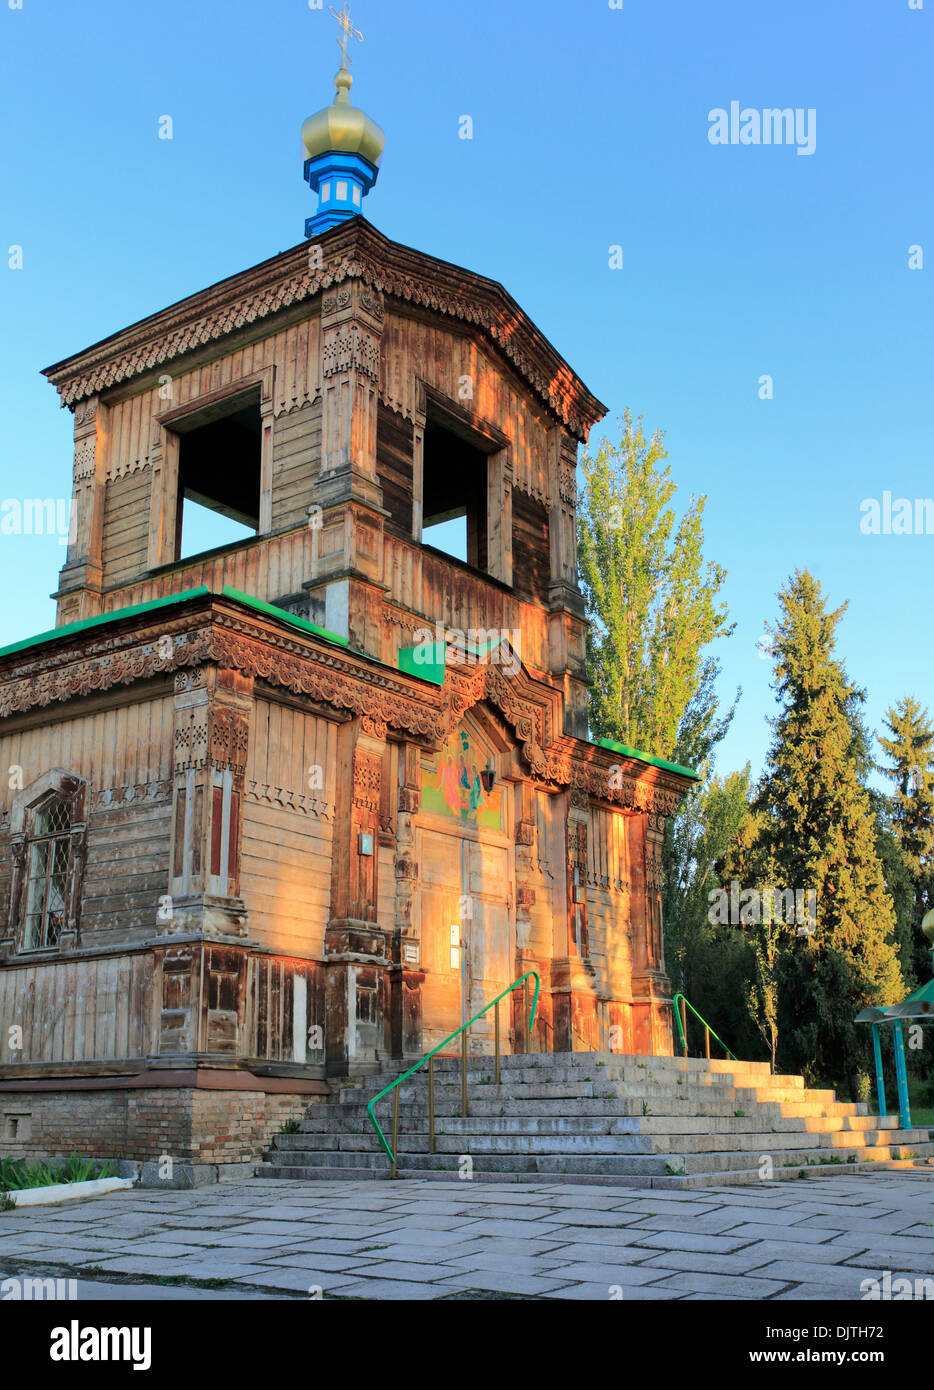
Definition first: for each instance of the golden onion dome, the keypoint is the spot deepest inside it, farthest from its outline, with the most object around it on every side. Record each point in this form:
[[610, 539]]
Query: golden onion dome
[[927, 925], [343, 127]]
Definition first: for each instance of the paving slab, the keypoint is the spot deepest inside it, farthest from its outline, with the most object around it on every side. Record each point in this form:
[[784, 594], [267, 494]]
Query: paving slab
[[630, 1293], [499, 1282], [724, 1285], [596, 1271], [684, 1240], [845, 1279], [392, 1289], [298, 1280], [374, 1240], [808, 1235], [603, 1254]]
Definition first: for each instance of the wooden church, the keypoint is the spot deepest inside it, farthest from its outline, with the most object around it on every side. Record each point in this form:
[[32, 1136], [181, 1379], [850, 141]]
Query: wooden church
[[290, 809]]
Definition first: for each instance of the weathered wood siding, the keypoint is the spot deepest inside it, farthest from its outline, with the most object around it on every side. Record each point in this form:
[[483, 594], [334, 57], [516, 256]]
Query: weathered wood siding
[[285, 1010], [125, 756], [285, 876], [296, 461], [608, 897], [416, 349], [80, 1010], [271, 568], [531, 558], [126, 525], [430, 584], [134, 442], [394, 464]]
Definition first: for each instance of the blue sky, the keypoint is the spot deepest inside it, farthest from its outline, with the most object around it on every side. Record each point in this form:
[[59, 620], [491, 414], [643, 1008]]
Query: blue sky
[[590, 131]]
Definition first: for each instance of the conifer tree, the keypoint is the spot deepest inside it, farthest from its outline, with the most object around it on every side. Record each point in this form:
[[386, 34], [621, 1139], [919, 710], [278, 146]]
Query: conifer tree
[[914, 951], [910, 752], [816, 832]]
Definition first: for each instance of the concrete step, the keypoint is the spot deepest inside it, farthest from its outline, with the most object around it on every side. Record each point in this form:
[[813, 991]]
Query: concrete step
[[598, 1119], [709, 1168], [621, 1143]]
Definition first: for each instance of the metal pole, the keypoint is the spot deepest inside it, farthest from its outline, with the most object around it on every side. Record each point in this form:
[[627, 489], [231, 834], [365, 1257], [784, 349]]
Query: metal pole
[[525, 1017], [464, 1072], [707, 1040], [496, 1036], [395, 1129], [880, 1077], [901, 1077], [431, 1105]]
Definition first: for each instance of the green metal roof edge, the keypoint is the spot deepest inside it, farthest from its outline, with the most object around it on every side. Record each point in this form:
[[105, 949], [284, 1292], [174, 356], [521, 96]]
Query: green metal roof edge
[[70, 629], [432, 669], [648, 758], [284, 616]]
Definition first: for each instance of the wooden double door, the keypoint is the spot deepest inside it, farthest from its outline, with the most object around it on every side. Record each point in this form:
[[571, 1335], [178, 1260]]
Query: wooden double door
[[467, 935]]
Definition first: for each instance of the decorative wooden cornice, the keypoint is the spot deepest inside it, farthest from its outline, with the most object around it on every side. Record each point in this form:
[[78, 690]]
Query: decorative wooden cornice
[[355, 250], [219, 630]]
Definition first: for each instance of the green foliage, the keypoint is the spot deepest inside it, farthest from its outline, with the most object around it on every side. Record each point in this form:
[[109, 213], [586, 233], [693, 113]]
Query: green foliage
[[708, 820], [910, 754], [290, 1127], [652, 601], [914, 954], [16, 1174], [814, 829]]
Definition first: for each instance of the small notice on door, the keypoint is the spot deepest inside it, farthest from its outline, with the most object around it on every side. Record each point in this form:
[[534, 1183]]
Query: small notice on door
[[455, 958], [455, 935]]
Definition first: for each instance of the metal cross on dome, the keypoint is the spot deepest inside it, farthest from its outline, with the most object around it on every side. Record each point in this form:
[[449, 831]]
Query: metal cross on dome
[[343, 18]]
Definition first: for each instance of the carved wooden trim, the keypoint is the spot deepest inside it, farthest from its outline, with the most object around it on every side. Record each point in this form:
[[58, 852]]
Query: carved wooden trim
[[90, 663], [354, 251]]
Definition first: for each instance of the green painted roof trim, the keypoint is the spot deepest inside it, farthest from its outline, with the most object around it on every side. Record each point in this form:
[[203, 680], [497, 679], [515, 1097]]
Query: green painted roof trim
[[281, 613], [628, 752], [85, 625], [425, 661], [139, 609]]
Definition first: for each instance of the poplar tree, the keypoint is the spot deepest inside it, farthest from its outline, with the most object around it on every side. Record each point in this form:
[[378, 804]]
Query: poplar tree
[[652, 601], [816, 831]]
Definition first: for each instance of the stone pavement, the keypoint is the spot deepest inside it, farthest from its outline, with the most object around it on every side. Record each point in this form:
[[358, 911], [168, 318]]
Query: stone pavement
[[815, 1239]]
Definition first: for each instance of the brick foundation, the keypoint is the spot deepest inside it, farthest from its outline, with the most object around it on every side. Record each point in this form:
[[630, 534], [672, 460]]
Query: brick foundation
[[192, 1126]]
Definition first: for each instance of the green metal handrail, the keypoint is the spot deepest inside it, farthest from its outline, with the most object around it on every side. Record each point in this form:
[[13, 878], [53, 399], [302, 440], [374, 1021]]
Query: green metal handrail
[[530, 1019], [682, 1026]]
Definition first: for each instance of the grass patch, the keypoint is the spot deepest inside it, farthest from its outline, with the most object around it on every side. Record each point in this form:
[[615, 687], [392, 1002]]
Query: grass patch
[[16, 1174]]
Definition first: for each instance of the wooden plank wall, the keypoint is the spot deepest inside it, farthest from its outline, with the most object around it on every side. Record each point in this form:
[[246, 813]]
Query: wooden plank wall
[[131, 432], [547, 877], [272, 568], [608, 897], [395, 446], [296, 460], [285, 1000], [531, 557], [125, 755], [126, 525], [413, 348], [81, 1010], [285, 877], [429, 584]]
